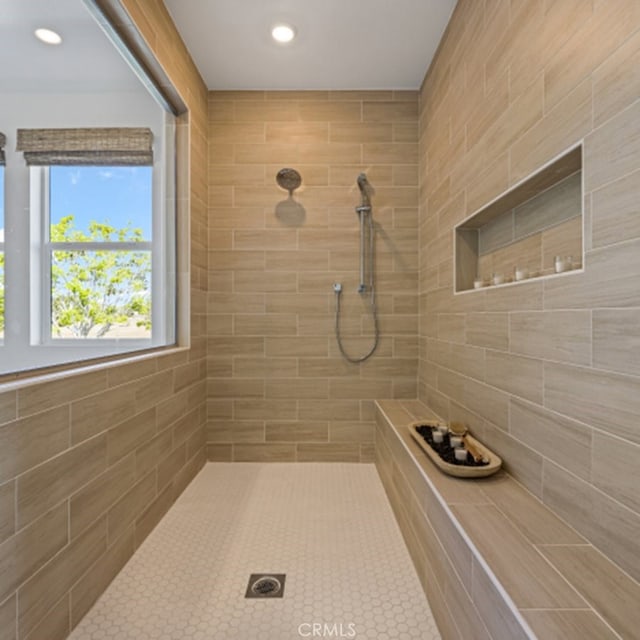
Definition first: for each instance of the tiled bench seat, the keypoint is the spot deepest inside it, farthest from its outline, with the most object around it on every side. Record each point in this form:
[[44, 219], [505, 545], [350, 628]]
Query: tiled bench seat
[[495, 563]]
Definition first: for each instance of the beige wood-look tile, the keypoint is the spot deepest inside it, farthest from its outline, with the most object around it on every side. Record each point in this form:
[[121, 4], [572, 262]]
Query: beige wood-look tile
[[558, 625], [262, 111], [244, 346], [220, 409], [491, 404], [45, 588], [297, 431], [293, 260], [344, 431], [153, 514], [261, 154], [267, 324], [498, 618], [515, 374], [233, 133], [314, 410], [389, 368], [234, 218], [8, 619], [451, 327], [235, 388], [390, 153], [563, 240], [129, 372], [362, 132], [616, 340], [342, 94], [455, 546], [235, 431], [223, 174], [42, 487], [330, 452], [606, 30], [153, 389], [93, 500], [324, 367], [264, 367], [536, 522], [55, 625], [296, 95], [604, 586], [607, 282], [149, 454], [614, 531], [296, 347], [563, 125], [615, 211], [559, 335], [236, 260], [488, 330], [90, 416], [268, 452], [30, 441], [616, 469], [7, 510], [91, 586], [219, 452], [359, 389], [314, 388], [294, 132], [329, 111], [130, 434], [519, 460], [605, 163], [390, 111], [220, 196], [260, 409], [169, 467], [617, 81], [489, 183], [124, 512], [40, 397], [405, 132], [219, 302], [527, 296], [263, 282], [26, 552], [566, 442], [605, 400], [8, 406], [220, 281]]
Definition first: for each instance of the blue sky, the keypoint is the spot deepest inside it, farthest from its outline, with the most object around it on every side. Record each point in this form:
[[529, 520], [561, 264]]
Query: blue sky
[[117, 195]]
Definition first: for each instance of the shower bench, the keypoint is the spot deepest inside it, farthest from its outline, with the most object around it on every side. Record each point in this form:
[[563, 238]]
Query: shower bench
[[496, 563]]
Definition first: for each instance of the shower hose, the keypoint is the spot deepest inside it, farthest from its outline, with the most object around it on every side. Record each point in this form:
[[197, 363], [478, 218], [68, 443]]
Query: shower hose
[[372, 301]]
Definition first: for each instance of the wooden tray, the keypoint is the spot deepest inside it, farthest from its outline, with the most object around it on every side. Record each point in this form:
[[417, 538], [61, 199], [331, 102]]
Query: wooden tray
[[458, 470]]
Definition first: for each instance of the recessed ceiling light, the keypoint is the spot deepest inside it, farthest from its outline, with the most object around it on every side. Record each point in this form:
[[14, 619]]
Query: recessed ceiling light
[[48, 36], [283, 33]]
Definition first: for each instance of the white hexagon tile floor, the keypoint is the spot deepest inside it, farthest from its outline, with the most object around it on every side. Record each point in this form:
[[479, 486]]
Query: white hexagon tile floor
[[327, 526]]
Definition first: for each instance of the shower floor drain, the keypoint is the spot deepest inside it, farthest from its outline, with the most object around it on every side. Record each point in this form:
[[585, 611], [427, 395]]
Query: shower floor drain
[[265, 585]]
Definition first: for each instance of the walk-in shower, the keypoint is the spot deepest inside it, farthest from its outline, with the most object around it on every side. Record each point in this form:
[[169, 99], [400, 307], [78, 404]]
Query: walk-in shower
[[366, 287]]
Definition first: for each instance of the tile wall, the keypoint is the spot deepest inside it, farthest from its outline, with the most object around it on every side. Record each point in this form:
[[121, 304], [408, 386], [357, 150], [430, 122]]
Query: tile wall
[[277, 386], [89, 463], [546, 372]]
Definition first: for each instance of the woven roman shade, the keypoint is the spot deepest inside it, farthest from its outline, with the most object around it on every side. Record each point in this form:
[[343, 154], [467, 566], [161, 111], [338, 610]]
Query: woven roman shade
[[3, 141], [101, 146]]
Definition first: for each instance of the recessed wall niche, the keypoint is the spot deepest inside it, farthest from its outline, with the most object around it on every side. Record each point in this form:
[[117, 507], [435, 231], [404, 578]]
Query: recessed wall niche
[[532, 230]]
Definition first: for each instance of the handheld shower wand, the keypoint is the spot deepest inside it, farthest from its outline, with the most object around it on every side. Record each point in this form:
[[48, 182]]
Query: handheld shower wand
[[366, 228]]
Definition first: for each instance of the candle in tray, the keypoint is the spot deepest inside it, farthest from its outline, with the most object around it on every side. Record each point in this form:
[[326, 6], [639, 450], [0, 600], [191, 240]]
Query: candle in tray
[[461, 454], [455, 441], [437, 436]]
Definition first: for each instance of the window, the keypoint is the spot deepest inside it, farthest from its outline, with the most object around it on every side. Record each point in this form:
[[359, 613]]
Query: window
[[99, 276], [97, 253], [1, 237]]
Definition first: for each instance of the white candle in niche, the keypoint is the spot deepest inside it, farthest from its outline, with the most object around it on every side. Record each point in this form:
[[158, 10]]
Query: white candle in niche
[[461, 454], [478, 283], [521, 273], [559, 264], [437, 436], [497, 278], [455, 441]]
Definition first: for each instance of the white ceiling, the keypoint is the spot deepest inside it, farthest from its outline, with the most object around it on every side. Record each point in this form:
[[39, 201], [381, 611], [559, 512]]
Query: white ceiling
[[86, 61], [341, 44]]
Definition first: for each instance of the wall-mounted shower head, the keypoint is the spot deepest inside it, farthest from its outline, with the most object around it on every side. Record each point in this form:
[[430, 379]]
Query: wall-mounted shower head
[[365, 189]]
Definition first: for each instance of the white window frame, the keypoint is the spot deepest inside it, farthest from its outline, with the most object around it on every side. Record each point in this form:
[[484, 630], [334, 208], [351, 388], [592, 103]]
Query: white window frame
[[2, 178], [28, 344]]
